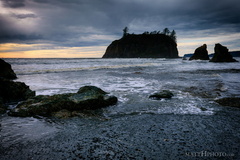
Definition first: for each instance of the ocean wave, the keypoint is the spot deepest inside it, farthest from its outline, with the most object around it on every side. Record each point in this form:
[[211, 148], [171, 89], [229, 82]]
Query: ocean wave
[[57, 70]]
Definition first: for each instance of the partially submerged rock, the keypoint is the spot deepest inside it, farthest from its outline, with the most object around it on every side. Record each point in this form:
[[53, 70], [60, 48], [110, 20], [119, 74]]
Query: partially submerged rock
[[162, 94], [14, 91], [6, 70], [221, 54], [200, 53], [87, 98], [229, 101], [2, 107]]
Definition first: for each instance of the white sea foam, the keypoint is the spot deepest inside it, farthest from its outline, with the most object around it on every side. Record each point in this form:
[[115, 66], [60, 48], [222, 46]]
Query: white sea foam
[[132, 81]]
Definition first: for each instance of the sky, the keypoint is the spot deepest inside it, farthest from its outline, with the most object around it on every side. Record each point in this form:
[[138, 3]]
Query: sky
[[84, 28]]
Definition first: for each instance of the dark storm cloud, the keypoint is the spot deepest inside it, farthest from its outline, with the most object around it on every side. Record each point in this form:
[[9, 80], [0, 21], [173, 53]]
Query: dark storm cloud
[[13, 3], [110, 14], [72, 22], [11, 33], [23, 16]]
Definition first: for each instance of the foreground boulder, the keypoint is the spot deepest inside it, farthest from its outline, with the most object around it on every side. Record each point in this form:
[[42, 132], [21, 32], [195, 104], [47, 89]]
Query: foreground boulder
[[10, 91], [87, 98], [221, 54], [229, 101], [14, 91], [6, 70], [162, 94], [200, 53]]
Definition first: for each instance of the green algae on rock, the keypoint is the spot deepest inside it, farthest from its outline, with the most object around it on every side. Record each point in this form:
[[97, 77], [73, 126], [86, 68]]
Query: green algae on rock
[[87, 98]]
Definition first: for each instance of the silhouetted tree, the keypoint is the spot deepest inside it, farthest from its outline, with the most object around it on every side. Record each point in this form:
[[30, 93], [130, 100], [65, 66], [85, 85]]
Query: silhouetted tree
[[173, 36], [125, 31], [153, 32], [166, 31]]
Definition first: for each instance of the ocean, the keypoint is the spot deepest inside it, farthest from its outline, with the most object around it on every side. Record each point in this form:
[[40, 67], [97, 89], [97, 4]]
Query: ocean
[[136, 127]]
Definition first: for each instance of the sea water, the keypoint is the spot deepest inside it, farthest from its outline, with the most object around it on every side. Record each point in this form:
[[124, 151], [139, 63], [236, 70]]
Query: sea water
[[195, 85], [132, 80]]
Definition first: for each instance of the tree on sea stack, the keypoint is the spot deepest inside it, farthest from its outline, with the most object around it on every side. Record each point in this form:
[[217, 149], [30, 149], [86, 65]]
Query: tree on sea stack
[[173, 36], [125, 31], [166, 31]]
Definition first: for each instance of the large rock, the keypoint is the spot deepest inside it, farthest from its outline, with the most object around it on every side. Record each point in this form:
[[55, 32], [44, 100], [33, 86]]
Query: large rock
[[221, 54], [2, 106], [142, 46], [200, 53], [10, 91], [162, 94], [6, 70], [229, 101], [87, 98], [14, 91]]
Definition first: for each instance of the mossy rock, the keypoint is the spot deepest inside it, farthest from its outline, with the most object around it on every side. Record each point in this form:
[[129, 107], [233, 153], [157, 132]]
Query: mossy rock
[[87, 98]]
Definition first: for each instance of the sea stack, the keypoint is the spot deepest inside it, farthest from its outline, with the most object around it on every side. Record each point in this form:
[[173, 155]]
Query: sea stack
[[142, 46], [221, 54], [200, 53]]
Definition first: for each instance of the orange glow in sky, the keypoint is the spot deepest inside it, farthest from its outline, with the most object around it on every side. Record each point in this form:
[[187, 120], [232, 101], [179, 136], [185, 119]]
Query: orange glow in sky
[[185, 46], [13, 50]]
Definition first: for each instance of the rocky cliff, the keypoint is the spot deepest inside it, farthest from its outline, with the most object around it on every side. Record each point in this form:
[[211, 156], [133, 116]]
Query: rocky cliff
[[142, 46]]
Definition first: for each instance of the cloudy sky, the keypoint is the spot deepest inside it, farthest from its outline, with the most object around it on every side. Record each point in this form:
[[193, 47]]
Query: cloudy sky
[[84, 28]]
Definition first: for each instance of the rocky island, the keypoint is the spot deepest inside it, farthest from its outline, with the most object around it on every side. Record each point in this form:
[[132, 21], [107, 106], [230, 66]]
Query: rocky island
[[146, 45], [200, 53], [222, 54]]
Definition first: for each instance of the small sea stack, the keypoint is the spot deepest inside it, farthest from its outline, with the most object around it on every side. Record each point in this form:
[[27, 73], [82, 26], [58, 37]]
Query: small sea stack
[[200, 53], [221, 54]]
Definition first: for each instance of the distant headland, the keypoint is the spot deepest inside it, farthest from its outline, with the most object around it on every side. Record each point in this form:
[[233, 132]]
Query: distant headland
[[154, 44]]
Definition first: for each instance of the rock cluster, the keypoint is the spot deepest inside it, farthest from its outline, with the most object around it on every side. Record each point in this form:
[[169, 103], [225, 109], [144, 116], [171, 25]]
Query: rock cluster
[[200, 53], [221, 54], [10, 91], [87, 98]]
